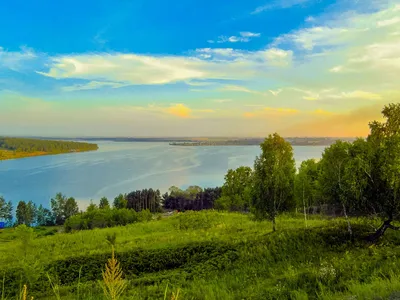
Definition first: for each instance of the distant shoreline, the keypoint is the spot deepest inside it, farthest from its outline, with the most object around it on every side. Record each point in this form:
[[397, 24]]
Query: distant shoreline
[[9, 155]]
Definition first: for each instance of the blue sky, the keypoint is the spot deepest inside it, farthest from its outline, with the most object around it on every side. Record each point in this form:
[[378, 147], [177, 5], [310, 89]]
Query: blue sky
[[197, 68]]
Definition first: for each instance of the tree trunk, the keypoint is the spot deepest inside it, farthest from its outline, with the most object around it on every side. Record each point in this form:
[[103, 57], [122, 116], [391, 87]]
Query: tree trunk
[[273, 224], [348, 221], [304, 206], [381, 231]]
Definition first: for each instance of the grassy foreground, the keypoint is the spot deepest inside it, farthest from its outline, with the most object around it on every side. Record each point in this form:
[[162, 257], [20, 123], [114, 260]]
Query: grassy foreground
[[207, 255]]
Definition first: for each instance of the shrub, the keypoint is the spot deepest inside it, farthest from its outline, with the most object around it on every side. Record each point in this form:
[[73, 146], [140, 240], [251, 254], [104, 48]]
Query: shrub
[[101, 218], [195, 220]]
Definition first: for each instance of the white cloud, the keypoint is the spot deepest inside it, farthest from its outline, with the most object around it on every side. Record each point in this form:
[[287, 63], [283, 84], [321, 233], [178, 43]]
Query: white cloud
[[336, 69], [236, 88], [275, 93], [14, 60], [222, 100], [278, 4], [388, 22], [124, 69], [244, 37], [356, 95], [92, 85]]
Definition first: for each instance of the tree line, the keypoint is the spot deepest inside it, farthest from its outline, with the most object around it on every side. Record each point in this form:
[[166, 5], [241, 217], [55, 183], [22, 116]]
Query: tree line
[[49, 146]]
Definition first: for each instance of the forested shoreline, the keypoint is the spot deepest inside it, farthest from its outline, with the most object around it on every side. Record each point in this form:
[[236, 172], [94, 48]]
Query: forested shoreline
[[11, 147]]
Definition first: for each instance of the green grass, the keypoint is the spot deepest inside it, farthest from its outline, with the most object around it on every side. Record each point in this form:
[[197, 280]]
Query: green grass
[[211, 255]]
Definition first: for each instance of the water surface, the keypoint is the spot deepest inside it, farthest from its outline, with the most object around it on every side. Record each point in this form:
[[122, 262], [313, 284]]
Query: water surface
[[119, 167]]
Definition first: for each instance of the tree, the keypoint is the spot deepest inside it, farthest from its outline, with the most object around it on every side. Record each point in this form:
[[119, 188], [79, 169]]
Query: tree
[[26, 213], [44, 217], [63, 208], [104, 203], [57, 206], [21, 212], [334, 162], [92, 207], [236, 191], [274, 172], [120, 202], [71, 208], [383, 189], [5, 210], [306, 185]]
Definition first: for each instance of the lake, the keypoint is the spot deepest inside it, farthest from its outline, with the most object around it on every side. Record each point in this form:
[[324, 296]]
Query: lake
[[119, 167]]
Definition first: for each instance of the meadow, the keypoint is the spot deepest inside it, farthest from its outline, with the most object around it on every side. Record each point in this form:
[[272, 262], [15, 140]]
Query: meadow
[[206, 255]]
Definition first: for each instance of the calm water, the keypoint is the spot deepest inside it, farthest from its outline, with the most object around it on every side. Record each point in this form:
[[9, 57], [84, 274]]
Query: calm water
[[122, 167]]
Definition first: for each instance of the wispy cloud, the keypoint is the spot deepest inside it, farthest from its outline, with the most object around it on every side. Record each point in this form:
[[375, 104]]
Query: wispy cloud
[[222, 100], [243, 37], [14, 60], [92, 85], [124, 69], [271, 112], [279, 4]]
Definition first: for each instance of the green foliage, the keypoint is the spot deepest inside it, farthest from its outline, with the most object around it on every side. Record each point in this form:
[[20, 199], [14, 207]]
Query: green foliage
[[6, 209], [120, 202], [145, 216], [36, 145], [274, 173], [194, 220], [63, 208], [104, 203], [101, 218], [26, 213], [236, 191]]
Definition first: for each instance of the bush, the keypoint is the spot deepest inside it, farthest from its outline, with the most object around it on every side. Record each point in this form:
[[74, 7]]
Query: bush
[[195, 220], [101, 218], [145, 216]]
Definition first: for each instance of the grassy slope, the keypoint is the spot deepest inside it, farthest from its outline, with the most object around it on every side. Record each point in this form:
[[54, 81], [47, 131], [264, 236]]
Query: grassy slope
[[293, 263]]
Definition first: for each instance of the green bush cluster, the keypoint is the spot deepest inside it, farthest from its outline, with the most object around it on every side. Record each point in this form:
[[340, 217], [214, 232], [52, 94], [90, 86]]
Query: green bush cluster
[[195, 220], [102, 218]]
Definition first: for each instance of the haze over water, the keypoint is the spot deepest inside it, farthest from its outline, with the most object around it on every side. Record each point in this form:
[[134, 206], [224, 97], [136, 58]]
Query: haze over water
[[123, 167]]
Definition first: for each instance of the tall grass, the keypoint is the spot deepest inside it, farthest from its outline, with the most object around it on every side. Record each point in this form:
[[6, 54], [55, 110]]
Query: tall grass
[[236, 259]]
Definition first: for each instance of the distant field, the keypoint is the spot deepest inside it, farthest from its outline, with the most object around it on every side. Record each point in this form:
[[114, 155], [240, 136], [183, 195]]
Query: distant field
[[209, 255]]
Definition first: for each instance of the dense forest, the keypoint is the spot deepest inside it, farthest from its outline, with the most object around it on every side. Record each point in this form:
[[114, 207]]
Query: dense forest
[[49, 146]]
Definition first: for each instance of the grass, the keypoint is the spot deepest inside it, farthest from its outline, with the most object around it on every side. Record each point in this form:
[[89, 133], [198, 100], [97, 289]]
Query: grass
[[211, 255]]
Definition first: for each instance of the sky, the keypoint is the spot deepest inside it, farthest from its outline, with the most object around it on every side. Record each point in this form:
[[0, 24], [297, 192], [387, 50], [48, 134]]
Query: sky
[[153, 68]]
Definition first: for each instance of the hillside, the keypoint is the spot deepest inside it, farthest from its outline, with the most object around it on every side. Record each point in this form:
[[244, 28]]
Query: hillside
[[209, 255]]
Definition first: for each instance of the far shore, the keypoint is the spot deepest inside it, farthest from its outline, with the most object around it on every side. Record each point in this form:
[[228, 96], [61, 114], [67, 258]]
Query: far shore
[[7, 154]]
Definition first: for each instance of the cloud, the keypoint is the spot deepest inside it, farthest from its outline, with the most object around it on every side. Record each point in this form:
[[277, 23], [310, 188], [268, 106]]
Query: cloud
[[275, 93], [133, 69], [242, 89], [243, 37], [222, 100], [15, 60], [271, 112], [279, 4], [388, 22], [180, 110], [346, 124], [92, 85], [356, 95]]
